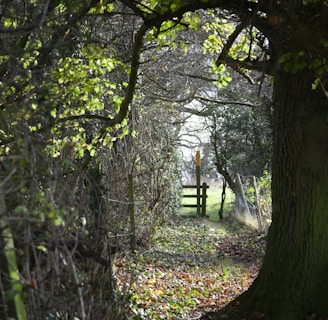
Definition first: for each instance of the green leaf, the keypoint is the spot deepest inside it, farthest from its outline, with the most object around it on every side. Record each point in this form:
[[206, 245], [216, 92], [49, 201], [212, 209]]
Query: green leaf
[[21, 209], [58, 221], [42, 248], [81, 153], [92, 152], [125, 131]]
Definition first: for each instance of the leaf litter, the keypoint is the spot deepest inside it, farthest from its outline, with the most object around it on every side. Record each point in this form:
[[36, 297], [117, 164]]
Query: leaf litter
[[192, 267]]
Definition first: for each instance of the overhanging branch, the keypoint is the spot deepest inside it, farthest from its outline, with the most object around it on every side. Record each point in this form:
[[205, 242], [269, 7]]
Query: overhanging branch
[[226, 102], [208, 111], [231, 40], [237, 65], [264, 66], [124, 108], [135, 61]]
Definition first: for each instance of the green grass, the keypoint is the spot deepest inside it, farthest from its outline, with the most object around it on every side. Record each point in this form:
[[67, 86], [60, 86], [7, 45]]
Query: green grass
[[212, 203]]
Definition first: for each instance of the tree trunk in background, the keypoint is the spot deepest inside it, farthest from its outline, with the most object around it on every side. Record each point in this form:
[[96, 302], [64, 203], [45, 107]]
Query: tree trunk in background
[[223, 196], [241, 201], [293, 279]]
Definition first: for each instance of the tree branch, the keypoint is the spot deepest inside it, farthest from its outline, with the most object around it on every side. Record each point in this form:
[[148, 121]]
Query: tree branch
[[265, 66], [246, 10], [224, 58], [154, 19], [133, 6], [124, 108], [226, 102], [231, 40], [208, 79], [196, 76], [135, 61], [207, 111]]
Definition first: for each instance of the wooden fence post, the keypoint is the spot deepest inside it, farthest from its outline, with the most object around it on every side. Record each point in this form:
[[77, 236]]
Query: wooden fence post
[[204, 196], [198, 181]]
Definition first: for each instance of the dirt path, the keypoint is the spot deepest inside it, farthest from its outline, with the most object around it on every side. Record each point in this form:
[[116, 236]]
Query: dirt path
[[193, 267]]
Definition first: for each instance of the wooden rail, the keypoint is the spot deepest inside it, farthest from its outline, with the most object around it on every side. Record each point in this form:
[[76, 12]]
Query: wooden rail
[[200, 196]]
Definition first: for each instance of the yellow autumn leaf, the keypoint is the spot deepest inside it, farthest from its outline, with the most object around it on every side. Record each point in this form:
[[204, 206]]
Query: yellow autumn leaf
[[152, 281], [159, 292]]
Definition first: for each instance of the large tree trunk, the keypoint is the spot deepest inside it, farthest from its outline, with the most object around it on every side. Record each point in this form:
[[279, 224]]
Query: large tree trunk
[[293, 280]]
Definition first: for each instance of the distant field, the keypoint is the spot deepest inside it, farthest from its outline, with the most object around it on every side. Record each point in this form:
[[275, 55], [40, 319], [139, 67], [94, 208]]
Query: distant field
[[212, 203]]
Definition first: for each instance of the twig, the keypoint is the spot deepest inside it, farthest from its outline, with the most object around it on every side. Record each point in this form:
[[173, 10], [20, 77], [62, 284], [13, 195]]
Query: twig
[[77, 282], [44, 13]]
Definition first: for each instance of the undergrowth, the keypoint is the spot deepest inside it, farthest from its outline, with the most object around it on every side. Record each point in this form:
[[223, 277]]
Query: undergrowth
[[192, 266]]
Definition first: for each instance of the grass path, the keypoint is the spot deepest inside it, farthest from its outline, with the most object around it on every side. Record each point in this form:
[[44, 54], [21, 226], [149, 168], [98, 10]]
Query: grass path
[[193, 266]]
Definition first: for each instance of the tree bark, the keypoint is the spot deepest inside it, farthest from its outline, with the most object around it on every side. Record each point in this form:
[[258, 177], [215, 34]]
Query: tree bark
[[293, 279], [223, 196]]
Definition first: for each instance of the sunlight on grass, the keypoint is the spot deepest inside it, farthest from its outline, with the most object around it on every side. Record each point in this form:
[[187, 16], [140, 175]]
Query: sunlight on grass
[[212, 203]]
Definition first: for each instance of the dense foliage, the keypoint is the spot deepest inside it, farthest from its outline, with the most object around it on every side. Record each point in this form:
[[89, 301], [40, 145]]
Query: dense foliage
[[88, 163], [67, 149]]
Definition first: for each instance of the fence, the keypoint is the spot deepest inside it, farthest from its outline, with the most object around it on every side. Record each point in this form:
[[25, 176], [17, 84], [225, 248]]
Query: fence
[[200, 197]]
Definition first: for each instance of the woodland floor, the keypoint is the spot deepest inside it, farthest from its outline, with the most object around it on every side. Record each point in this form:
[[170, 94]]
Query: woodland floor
[[192, 268]]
